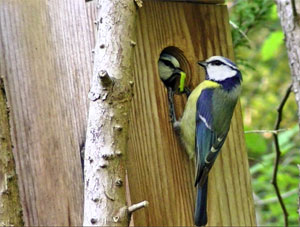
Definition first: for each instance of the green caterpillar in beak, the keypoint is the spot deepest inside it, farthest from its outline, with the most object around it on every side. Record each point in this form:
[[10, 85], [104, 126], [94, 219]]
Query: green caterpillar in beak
[[182, 81]]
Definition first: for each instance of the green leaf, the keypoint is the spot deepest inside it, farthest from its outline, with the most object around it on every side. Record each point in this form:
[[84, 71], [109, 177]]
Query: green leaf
[[286, 136], [271, 45], [274, 15], [256, 143]]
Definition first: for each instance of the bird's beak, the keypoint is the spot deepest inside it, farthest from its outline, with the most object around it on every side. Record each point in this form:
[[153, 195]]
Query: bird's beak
[[202, 63]]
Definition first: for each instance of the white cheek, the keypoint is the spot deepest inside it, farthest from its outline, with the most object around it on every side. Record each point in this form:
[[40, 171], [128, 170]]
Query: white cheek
[[164, 71], [220, 72]]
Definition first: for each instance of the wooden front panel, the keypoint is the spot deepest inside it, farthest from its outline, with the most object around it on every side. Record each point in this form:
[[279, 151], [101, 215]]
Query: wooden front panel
[[158, 167]]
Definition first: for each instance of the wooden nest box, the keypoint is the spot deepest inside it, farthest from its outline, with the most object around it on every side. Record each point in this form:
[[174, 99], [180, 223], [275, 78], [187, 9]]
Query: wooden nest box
[[159, 170]]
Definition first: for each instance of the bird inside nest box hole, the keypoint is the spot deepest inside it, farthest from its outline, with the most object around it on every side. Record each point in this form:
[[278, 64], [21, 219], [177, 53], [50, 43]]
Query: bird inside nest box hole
[[175, 72]]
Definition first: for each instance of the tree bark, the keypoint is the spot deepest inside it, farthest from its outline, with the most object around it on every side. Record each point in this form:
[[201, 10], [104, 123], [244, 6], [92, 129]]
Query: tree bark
[[10, 206], [289, 14], [107, 130]]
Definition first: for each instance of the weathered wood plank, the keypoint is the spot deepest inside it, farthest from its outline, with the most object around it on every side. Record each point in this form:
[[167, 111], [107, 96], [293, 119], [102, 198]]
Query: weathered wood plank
[[159, 170], [45, 59]]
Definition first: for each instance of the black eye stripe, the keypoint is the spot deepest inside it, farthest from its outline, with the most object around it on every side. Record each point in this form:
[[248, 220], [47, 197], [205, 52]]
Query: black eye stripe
[[167, 63], [216, 62]]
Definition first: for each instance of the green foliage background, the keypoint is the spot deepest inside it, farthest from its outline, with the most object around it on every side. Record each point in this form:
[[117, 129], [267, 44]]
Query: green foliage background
[[262, 57]]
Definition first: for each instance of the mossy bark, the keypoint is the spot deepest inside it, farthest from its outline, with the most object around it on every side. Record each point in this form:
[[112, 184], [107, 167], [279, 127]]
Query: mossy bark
[[10, 206]]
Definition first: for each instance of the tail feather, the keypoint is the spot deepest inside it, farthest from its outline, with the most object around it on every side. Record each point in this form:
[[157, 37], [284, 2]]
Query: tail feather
[[200, 208]]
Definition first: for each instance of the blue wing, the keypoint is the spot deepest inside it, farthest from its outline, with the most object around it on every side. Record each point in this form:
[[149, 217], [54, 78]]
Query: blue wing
[[212, 125], [208, 142]]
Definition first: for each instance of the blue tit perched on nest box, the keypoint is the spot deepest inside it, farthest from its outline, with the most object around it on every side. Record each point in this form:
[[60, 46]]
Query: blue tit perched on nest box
[[206, 121]]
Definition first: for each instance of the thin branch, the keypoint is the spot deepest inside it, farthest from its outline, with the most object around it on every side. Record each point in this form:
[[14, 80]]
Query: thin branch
[[266, 131], [131, 209], [139, 3], [235, 26], [278, 153], [137, 206], [261, 202]]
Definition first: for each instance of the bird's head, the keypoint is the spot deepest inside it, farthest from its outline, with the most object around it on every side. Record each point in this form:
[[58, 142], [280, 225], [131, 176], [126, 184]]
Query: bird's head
[[170, 72], [221, 70]]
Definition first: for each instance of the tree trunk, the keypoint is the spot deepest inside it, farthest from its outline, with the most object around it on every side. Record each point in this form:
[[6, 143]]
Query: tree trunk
[[107, 132], [10, 206], [289, 14]]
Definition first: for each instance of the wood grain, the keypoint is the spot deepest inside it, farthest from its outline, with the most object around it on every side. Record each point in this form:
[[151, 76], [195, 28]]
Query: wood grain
[[158, 168], [46, 61]]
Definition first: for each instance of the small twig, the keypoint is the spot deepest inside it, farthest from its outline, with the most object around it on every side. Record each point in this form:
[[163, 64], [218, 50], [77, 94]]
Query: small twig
[[266, 131], [105, 78], [137, 206], [139, 3], [235, 26], [261, 202], [278, 153]]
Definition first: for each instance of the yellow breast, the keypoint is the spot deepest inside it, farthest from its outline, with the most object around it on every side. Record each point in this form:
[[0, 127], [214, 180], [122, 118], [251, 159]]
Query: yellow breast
[[188, 120]]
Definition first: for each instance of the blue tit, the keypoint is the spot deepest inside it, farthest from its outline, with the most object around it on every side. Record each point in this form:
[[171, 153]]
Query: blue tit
[[206, 121], [173, 78]]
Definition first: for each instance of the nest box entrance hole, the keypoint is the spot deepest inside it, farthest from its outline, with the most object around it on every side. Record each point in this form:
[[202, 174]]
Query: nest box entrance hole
[[179, 97]]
